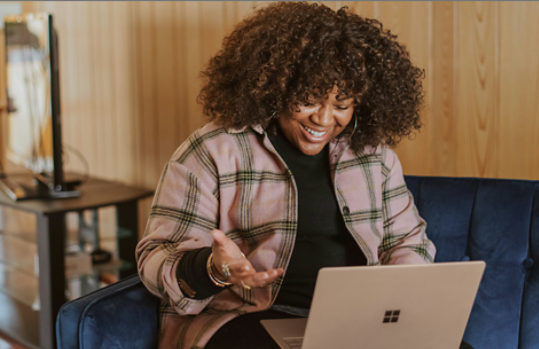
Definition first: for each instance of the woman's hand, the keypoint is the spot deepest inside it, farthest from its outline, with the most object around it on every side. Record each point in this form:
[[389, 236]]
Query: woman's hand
[[230, 265]]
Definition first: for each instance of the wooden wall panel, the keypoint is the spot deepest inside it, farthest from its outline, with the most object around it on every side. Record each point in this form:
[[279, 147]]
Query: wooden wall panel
[[477, 91], [362, 8], [193, 55], [165, 88], [146, 62], [87, 111], [124, 113], [105, 89], [182, 101], [441, 127], [212, 25], [410, 21], [134, 95], [98, 75], [235, 11], [334, 5], [130, 78], [518, 135], [130, 71], [3, 104]]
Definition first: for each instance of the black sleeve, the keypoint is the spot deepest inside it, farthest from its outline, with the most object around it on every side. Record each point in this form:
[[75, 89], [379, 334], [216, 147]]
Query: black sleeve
[[193, 277]]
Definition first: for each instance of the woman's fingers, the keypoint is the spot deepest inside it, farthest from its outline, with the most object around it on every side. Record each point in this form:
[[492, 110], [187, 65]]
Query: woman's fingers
[[235, 269], [262, 278], [242, 273], [230, 264]]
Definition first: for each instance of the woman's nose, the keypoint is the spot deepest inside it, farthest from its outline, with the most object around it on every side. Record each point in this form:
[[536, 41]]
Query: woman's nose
[[323, 115]]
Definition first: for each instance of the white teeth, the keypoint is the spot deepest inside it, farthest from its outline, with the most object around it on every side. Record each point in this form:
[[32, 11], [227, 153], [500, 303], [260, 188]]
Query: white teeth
[[314, 133]]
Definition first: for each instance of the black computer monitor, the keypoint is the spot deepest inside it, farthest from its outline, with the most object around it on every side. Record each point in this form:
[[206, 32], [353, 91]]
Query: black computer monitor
[[33, 126]]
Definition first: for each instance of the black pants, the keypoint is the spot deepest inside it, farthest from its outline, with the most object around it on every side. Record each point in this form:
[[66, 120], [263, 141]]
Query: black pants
[[246, 332]]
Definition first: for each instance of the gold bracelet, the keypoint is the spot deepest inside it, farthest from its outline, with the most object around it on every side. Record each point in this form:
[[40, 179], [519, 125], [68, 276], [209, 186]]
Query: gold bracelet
[[213, 278]]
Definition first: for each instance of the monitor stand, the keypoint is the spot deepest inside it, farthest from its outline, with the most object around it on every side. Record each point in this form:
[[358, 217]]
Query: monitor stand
[[33, 188]]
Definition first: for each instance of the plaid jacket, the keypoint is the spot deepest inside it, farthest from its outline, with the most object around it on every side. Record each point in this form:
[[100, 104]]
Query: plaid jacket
[[234, 180]]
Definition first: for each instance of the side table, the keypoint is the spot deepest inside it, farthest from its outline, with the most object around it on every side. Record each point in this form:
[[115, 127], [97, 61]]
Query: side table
[[37, 328]]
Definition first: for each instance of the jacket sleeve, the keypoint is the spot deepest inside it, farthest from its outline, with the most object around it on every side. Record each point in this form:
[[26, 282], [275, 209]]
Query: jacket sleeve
[[184, 211], [405, 240]]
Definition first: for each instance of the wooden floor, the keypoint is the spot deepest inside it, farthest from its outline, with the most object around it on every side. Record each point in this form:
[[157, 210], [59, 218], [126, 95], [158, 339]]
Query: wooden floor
[[8, 343]]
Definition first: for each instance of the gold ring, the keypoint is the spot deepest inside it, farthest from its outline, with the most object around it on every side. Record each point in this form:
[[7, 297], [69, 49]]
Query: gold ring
[[226, 271]]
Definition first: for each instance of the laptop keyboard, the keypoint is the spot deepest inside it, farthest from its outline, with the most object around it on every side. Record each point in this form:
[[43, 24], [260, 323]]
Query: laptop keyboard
[[294, 342]]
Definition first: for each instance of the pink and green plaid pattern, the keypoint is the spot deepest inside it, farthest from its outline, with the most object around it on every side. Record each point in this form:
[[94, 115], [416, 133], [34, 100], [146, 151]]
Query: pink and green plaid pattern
[[234, 180]]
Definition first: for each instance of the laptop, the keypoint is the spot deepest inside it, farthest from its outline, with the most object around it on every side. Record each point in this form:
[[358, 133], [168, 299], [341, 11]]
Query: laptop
[[382, 307]]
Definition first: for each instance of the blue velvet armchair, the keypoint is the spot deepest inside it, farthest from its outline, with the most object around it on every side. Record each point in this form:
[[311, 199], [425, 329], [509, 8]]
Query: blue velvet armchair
[[494, 220]]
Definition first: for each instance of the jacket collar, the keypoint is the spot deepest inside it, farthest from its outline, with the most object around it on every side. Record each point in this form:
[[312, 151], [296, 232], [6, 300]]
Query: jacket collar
[[336, 148], [256, 128]]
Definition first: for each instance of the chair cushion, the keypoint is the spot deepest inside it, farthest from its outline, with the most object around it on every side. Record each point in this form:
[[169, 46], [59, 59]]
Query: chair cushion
[[123, 315], [499, 235], [447, 204]]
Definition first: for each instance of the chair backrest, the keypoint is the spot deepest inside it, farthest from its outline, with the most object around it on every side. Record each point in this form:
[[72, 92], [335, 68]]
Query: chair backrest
[[123, 315], [497, 221]]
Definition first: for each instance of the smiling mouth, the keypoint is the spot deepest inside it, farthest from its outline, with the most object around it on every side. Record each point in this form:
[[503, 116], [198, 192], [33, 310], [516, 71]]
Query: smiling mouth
[[313, 132]]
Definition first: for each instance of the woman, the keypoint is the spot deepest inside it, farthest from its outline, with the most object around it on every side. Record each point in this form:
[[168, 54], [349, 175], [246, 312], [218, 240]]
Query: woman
[[293, 173]]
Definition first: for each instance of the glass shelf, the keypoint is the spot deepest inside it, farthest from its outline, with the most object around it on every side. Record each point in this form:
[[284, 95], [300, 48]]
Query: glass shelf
[[21, 255], [112, 267], [19, 285], [83, 227], [24, 287], [27, 237], [22, 225], [103, 275], [105, 235], [18, 253], [72, 238]]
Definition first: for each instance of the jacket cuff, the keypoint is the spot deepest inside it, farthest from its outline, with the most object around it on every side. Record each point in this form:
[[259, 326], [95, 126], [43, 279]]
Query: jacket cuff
[[193, 277]]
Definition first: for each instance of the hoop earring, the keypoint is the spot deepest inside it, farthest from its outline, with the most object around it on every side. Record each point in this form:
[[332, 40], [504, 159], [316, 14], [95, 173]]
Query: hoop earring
[[355, 127]]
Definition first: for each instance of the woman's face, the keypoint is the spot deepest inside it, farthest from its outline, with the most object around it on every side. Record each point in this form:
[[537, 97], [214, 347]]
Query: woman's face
[[317, 123]]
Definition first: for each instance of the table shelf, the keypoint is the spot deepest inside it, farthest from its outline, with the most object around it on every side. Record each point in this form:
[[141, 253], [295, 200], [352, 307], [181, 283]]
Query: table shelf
[[31, 293]]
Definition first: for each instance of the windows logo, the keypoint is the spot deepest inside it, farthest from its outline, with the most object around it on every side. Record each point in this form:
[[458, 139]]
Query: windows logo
[[391, 316]]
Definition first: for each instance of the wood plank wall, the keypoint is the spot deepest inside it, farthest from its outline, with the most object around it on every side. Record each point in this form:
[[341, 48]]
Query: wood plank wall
[[129, 81]]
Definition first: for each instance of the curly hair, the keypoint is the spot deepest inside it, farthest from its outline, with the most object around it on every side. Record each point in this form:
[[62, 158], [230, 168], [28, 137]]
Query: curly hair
[[290, 52]]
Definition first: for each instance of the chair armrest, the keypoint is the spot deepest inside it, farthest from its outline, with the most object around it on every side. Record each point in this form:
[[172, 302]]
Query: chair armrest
[[122, 315]]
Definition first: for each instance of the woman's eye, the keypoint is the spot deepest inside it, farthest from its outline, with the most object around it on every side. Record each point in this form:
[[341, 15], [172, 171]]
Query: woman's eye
[[342, 107]]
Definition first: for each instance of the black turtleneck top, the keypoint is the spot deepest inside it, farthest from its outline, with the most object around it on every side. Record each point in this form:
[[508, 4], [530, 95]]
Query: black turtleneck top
[[322, 239]]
